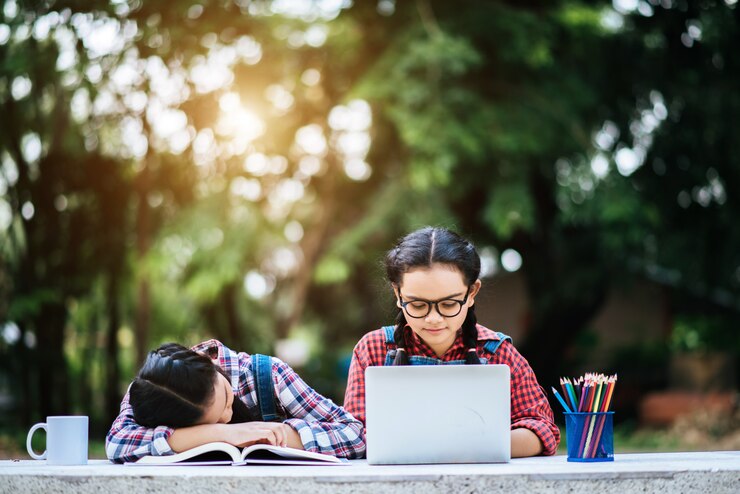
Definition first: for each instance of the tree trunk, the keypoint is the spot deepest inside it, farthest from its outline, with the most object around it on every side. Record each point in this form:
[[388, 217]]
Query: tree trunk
[[53, 383], [563, 296], [312, 246], [143, 241], [112, 371]]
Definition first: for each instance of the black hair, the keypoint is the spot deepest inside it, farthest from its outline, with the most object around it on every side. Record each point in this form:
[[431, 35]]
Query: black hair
[[174, 387], [423, 248]]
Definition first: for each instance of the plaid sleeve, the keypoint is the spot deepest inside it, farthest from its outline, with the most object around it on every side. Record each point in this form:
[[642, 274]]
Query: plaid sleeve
[[529, 406], [127, 441], [369, 351], [323, 426]]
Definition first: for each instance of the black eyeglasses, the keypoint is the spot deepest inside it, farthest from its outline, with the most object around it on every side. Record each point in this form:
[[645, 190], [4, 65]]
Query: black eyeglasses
[[446, 307]]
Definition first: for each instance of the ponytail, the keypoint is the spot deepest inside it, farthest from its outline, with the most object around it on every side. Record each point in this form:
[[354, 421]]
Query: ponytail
[[470, 337], [400, 339]]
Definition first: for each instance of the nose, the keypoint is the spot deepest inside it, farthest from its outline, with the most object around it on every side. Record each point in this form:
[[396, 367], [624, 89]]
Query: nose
[[434, 315]]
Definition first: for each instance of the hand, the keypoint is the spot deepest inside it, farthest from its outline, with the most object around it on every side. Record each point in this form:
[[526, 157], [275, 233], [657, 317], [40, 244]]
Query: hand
[[249, 433]]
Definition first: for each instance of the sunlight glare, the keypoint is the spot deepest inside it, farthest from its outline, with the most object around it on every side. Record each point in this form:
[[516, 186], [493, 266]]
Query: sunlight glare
[[31, 147], [27, 210], [247, 188], [249, 50], [257, 164], [6, 215], [627, 161], [4, 33], [21, 87], [293, 231], [600, 166], [280, 97], [311, 139], [256, 285], [511, 260], [237, 121], [488, 262], [310, 165], [11, 333], [311, 77], [357, 170]]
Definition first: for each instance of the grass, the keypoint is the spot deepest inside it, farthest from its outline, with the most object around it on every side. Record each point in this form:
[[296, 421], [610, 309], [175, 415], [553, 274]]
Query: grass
[[13, 445]]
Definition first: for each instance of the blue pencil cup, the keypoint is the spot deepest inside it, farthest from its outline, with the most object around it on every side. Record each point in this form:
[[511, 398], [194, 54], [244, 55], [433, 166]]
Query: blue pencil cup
[[590, 436]]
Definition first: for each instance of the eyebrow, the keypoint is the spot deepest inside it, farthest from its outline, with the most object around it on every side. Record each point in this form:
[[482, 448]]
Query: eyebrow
[[443, 298]]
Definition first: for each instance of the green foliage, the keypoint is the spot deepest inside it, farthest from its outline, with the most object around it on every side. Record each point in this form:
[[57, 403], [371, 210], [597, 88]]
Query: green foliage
[[509, 210], [697, 333], [487, 117]]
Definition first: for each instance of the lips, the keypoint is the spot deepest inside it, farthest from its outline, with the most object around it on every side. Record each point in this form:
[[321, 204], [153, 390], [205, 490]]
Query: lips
[[434, 330]]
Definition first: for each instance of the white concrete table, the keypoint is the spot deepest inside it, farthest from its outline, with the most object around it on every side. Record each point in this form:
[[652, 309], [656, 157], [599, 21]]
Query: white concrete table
[[712, 472]]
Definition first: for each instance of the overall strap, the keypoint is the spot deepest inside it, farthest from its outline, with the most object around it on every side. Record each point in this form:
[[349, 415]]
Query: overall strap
[[492, 345], [262, 368], [389, 338], [390, 343]]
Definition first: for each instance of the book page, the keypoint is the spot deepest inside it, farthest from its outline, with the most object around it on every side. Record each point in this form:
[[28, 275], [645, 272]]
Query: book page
[[211, 453], [265, 453]]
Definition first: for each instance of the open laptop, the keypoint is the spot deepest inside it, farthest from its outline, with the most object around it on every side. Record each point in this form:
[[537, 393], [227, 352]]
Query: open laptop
[[438, 414]]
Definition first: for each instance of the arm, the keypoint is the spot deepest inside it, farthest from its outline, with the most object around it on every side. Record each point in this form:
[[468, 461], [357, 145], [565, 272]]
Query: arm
[[354, 396], [321, 425], [524, 443], [244, 434], [533, 425], [129, 441]]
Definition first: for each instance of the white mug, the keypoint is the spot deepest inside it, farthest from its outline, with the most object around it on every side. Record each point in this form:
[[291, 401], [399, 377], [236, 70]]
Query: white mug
[[66, 440]]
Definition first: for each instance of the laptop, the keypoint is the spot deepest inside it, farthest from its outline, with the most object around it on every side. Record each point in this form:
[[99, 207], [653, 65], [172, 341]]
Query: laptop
[[438, 414]]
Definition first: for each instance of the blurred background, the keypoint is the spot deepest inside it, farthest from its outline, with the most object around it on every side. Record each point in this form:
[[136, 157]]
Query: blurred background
[[236, 169]]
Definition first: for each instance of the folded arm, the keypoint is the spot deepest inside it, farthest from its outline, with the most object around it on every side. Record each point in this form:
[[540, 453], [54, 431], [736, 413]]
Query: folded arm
[[322, 426]]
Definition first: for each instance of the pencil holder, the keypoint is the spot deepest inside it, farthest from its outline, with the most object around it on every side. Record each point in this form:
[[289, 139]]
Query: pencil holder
[[590, 436]]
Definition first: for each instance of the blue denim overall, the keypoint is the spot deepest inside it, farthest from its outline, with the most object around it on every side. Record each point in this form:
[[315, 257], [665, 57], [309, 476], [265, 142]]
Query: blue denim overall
[[262, 369], [491, 346]]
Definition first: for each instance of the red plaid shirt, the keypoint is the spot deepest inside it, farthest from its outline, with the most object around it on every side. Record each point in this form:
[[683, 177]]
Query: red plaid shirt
[[529, 406]]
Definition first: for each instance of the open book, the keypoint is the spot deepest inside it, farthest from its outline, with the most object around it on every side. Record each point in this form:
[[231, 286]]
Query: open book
[[220, 453]]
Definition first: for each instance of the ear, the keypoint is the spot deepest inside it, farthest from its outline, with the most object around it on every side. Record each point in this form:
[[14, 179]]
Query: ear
[[396, 293], [474, 289]]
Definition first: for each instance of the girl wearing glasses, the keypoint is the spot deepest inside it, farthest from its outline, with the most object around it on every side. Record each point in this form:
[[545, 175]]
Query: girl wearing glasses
[[434, 275]]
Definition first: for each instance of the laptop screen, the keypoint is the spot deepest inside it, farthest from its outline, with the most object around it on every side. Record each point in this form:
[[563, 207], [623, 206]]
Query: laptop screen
[[438, 414]]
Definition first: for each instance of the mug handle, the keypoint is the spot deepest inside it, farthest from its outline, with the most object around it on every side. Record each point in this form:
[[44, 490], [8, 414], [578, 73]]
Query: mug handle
[[36, 427]]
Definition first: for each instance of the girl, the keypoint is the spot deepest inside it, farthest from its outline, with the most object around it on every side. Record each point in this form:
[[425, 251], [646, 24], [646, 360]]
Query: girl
[[183, 398], [434, 276]]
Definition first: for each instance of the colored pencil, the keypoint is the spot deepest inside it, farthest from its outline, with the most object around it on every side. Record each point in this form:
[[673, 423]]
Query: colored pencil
[[571, 392], [604, 408], [560, 399], [591, 419]]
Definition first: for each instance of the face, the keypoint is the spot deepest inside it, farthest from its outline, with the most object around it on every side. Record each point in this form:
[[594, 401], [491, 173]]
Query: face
[[219, 411], [439, 282]]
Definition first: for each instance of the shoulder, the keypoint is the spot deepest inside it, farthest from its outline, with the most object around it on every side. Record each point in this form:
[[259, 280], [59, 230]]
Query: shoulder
[[213, 348], [485, 334], [372, 337], [505, 350], [281, 370], [371, 346], [229, 360]]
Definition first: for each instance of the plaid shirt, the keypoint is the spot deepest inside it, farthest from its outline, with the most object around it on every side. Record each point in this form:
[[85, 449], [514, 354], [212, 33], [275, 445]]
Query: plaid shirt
[[529, 406], [323, 426]]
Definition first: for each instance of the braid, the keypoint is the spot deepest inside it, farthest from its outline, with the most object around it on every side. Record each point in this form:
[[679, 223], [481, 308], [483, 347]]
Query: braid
[[400, 339], [470, 337]]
